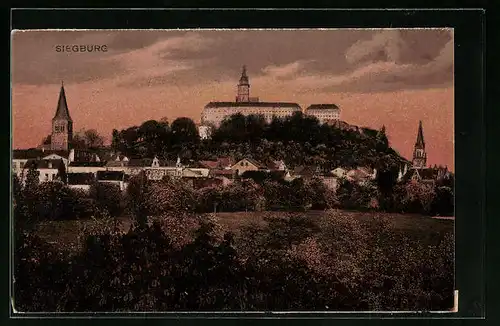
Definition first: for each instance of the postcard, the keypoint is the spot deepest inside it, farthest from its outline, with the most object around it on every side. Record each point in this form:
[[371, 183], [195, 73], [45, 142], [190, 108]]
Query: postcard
[[233, 170]]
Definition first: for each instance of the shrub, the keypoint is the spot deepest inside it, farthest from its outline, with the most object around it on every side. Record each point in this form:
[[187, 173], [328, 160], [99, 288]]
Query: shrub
[[56, 201], [107, 196]]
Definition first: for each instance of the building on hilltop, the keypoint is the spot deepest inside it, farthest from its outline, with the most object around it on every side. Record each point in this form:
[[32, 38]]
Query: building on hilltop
[[215, 112], [62, 124], [323, 112]]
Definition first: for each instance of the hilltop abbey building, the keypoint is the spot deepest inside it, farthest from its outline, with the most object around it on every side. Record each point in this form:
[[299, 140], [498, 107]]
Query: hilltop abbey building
[[215, 112]]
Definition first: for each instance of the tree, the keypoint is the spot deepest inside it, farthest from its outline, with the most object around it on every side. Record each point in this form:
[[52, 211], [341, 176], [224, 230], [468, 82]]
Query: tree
[[115, 140], [61, 172], [137, 193], [184, 131], [93, 139], [107, 196], [386, 180], [78, 142], [32, 178]]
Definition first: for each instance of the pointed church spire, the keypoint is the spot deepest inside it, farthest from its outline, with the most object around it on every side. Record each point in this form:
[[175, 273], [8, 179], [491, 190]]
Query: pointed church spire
[[420, 136], [419, 154], [62, 112], [244, 77]]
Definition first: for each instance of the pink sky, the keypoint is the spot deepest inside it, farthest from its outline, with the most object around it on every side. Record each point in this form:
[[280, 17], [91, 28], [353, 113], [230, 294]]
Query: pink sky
[[386, 77]]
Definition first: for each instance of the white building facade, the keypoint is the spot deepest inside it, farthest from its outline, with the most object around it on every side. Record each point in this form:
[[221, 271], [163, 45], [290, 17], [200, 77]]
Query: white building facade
[[215, 112], [323, 112]]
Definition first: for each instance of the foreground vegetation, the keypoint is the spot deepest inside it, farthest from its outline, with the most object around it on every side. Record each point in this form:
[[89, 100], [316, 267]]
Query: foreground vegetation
[[281, 261]]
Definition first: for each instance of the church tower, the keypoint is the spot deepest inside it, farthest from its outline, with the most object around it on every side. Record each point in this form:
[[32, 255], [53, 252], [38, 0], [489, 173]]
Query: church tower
[[419, 154], [243, 87], [62, 125]]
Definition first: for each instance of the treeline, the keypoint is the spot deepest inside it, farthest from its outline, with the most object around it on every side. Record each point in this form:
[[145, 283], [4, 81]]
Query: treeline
[[255, 191], [299, 140]]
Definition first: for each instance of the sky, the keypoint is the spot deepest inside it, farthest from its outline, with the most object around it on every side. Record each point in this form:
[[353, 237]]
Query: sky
[[391, 77]]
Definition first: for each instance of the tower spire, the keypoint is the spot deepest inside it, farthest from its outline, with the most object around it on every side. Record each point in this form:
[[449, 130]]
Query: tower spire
[[420, 135], [243, 94], [244, 77], [419, 154], [62, 112]]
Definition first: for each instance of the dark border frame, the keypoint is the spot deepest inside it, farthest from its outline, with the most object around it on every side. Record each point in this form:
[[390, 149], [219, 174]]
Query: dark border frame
[[469, 32]]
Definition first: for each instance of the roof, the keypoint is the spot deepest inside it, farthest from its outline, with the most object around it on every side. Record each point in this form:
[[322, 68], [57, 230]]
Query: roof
[[191, 173], [44, 164], [252, 161], [113, 163], [85, 155], [143, 162], [62, 111], [322, 107], [110, 175], [220, 163], [424, 174], [254, 104], [420, 136], [80, 178], [305, 170], [32, 153], [220, 172], [89, 164]]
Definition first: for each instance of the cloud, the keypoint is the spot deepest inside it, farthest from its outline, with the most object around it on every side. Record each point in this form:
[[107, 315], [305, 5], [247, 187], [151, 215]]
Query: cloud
[[35, 61], [387, 62], [153, 65], [325, 60], [286, 71], [386, 46]]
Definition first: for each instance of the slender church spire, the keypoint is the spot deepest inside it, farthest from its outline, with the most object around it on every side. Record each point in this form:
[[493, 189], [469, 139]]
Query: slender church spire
[[62, 125], [420, 136], [244, 77], [419, 154], [62, 112]]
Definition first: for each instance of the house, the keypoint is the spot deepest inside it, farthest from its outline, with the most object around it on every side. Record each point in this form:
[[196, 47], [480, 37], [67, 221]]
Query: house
[[118, 178], [21, 156], [47, 169], [227, 176], [83, 155], [81, 180], [195, 172], [117, 162], [248, 164], [306, 172], [426, 175], [339, 172], [361, 175], [86, 167], [220, 163]]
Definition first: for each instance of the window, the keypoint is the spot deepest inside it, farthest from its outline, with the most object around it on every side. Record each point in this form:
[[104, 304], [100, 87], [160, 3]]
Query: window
[[46, 176]]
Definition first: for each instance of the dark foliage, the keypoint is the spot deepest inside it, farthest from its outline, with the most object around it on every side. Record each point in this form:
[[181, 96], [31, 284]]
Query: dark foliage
[[140, 271], [107, 196], [299, 140]]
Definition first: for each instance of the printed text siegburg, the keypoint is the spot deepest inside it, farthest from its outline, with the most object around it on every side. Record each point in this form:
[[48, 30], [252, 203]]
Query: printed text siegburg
[[81, 48]]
